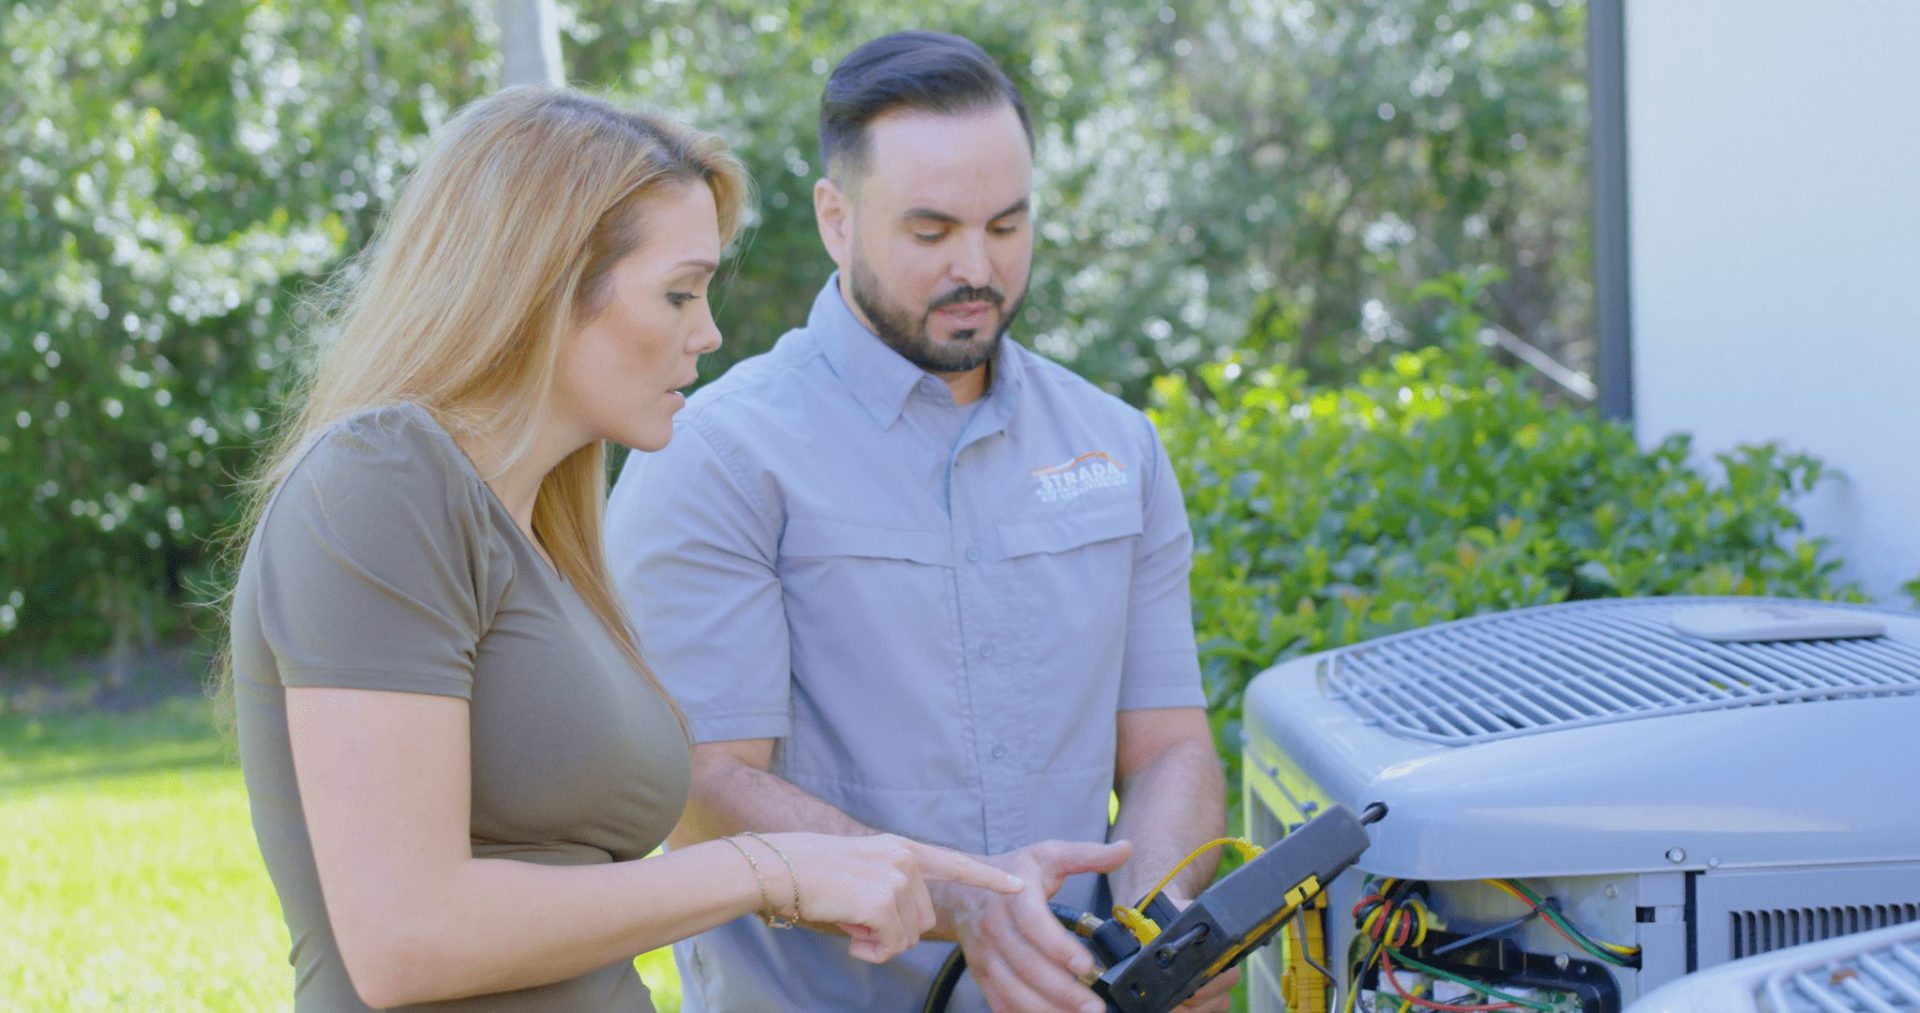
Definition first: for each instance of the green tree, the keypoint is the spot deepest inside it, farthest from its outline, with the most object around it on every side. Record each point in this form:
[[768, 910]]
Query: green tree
[[176, 172], [1252, 179], [1220, 177]]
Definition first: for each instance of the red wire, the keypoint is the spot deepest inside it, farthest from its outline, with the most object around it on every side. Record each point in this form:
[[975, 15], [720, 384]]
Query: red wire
[[1386, 968], [1557, 927], [1546, 916]]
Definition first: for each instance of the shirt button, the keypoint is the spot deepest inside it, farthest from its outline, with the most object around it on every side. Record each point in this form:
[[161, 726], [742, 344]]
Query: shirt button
[[973, 553], [999, 752], [986, 650]]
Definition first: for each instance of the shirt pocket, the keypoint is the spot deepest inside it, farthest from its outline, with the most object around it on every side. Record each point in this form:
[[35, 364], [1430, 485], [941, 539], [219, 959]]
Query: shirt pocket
[[874, 630], [829, 537], [1072, 530], [1072, 576]]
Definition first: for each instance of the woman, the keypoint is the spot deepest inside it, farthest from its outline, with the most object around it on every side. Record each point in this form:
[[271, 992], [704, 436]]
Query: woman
[[455, 755]]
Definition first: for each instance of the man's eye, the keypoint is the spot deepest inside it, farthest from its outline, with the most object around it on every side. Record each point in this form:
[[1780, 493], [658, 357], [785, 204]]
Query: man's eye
[[928, 237], [1006, 230]]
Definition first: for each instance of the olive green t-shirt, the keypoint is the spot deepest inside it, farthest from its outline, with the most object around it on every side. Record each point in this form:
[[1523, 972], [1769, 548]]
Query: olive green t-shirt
[[385, 563]]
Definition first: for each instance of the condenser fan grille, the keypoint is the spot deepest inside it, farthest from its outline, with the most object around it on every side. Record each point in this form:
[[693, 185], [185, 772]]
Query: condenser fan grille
[[1880, 981], [1563, 666]]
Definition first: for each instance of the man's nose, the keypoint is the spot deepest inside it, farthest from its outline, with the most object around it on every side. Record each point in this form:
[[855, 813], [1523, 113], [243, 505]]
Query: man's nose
[[971, 266]]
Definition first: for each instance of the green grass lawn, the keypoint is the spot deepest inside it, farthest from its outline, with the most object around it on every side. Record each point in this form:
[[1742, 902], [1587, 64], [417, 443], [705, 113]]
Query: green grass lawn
[[129, 879]]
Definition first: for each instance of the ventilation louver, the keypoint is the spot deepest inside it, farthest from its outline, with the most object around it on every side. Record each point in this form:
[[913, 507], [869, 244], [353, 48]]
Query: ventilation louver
[[1588, 663], [1756, 932]]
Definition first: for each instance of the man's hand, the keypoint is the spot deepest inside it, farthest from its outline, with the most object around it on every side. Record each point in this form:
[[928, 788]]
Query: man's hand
[[1022, 958], [1215, 996]]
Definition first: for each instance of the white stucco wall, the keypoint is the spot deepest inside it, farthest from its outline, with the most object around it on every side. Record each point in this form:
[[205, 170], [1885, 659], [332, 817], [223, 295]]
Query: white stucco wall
[[1774, 194]]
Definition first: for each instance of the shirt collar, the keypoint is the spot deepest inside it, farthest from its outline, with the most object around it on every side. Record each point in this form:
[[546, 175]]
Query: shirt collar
[[879, 377]]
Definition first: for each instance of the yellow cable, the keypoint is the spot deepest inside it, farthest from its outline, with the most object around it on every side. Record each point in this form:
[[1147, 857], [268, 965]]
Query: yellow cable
[[1509, 891], [1144, 928], [1625, 951]]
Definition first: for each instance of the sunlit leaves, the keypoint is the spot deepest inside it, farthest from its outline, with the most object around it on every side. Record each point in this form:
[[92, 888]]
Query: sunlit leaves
[[176, 173], [1438, 486]]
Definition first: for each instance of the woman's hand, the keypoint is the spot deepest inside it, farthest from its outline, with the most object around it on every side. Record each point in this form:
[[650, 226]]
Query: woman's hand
[[873, 888]]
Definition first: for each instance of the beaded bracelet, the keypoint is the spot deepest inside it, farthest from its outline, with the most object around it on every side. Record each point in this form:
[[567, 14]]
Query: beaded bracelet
[[767, 914], [792, 875]]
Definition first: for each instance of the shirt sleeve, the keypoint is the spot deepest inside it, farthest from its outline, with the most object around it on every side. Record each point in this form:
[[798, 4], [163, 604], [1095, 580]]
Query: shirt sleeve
[[1161, 667], [694, 555], [372, 565]]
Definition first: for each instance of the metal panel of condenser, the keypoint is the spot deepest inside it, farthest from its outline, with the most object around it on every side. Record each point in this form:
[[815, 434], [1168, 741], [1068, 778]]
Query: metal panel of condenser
[[1589, 801], [1746, 912]]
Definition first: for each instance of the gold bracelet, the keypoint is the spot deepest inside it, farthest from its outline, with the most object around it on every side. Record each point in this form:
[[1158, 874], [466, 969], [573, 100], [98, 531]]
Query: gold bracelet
[[766, 904], [793, 875]]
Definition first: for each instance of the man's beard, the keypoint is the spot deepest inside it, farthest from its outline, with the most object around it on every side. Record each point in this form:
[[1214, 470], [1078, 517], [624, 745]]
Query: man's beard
[[896, 325]]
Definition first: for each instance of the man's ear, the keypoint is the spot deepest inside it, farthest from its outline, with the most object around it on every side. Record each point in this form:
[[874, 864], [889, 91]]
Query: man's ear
[[833, 213]]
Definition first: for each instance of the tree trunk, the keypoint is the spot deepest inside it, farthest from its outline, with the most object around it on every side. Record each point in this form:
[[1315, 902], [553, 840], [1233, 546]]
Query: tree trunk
[[121, 658], [529, 43]]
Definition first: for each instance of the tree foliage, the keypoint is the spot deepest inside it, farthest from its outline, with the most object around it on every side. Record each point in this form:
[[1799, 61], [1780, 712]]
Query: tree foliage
[[1265, 181], [175, 172], [1438, 485], [1224, 176]]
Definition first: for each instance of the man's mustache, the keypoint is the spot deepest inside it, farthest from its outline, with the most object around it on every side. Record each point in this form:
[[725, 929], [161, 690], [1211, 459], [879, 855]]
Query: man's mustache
[[960, 295]]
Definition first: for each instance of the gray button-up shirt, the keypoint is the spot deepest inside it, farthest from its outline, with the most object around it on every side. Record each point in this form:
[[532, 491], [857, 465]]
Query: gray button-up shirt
[[936, 610]]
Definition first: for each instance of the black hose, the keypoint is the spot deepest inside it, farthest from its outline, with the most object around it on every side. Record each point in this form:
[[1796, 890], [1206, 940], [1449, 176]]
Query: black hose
[[945, 981], [947, 978]]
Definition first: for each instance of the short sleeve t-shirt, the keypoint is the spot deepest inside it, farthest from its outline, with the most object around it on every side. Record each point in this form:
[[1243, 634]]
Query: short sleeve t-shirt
[[384, 562]]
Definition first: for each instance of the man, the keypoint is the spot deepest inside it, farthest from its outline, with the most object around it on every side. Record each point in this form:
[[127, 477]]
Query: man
[[906, 576]]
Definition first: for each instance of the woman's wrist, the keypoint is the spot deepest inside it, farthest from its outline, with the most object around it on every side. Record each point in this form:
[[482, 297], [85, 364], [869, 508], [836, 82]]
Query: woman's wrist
[[796, 913], [761, 871]]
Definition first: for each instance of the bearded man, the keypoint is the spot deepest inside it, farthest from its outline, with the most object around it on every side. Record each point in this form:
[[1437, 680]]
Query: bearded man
[[905, 575]]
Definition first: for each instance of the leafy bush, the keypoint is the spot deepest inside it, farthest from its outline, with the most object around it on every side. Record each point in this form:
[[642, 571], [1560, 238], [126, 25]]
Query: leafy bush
[[1219, 175], [1440, 486]]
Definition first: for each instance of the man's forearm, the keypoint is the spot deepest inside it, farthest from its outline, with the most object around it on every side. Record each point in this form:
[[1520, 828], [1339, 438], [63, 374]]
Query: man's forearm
[[1170, 806], [730, 796]]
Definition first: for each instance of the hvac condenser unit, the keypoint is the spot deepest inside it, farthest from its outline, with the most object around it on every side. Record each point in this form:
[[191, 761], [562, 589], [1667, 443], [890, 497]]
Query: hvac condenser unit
[[1589, 800]]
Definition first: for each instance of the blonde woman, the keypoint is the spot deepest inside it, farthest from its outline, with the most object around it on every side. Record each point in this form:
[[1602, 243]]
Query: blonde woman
[[455, 754]]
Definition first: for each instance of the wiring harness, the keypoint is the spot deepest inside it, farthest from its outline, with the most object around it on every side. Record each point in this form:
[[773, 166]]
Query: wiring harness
[[1392, 918]]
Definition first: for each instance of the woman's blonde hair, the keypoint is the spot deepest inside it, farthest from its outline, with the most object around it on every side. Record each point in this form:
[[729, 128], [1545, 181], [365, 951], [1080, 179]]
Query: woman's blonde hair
[[497, 248]]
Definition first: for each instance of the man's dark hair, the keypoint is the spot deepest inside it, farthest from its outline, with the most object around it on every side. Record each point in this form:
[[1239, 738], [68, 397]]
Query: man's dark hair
[[930, 71]]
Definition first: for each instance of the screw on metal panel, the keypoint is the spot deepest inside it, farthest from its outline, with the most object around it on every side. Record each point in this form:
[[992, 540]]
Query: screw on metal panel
[[1612, 891], [1713, 863], [1310, 808], [1676, 855], [1562, 961]]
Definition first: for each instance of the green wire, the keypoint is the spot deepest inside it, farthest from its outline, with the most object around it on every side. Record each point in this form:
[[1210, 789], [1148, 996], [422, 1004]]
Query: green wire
[[1585, 941], [1401, 958]]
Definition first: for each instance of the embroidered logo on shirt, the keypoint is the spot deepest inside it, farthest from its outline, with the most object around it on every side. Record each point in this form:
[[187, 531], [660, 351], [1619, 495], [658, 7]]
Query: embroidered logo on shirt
[[1095, 469]]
